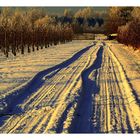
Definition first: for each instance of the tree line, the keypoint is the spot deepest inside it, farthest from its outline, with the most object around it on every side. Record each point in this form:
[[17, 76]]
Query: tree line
[[33, 29], [83, 20], [125, 21], [30, 30]]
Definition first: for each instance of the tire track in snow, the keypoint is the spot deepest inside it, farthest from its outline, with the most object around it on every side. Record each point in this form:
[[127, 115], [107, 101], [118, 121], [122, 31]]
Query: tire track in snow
[[13, 100], [63, 73], [76, 88], [107, 103], [136, 95], [82, 122], [58, 127], [131, 105]]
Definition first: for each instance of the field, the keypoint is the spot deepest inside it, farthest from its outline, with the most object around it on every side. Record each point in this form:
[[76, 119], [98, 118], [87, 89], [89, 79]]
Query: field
[[84, 86]]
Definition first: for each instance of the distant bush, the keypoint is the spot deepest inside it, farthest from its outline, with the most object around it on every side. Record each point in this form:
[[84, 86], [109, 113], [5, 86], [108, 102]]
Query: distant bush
[[125, 21], [117, 16], [129, 33]]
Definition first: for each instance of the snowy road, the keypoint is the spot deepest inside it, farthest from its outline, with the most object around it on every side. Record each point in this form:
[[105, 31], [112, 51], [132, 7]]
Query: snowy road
[[88, 93], [107, 102]]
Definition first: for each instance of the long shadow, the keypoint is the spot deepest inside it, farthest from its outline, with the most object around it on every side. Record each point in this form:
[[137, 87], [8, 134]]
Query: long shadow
[[82, 122], [18, 96]]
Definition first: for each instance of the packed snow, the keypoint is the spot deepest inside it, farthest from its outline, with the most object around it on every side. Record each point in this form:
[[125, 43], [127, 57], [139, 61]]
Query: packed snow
[[79, 87]]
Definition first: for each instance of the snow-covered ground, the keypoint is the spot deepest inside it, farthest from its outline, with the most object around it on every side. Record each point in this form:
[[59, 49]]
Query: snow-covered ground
[[16, 71], [130, 60], [78, 87]]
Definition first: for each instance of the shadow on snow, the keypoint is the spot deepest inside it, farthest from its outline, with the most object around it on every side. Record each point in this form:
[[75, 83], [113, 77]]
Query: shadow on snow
[[82, 122], [17, 97]]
